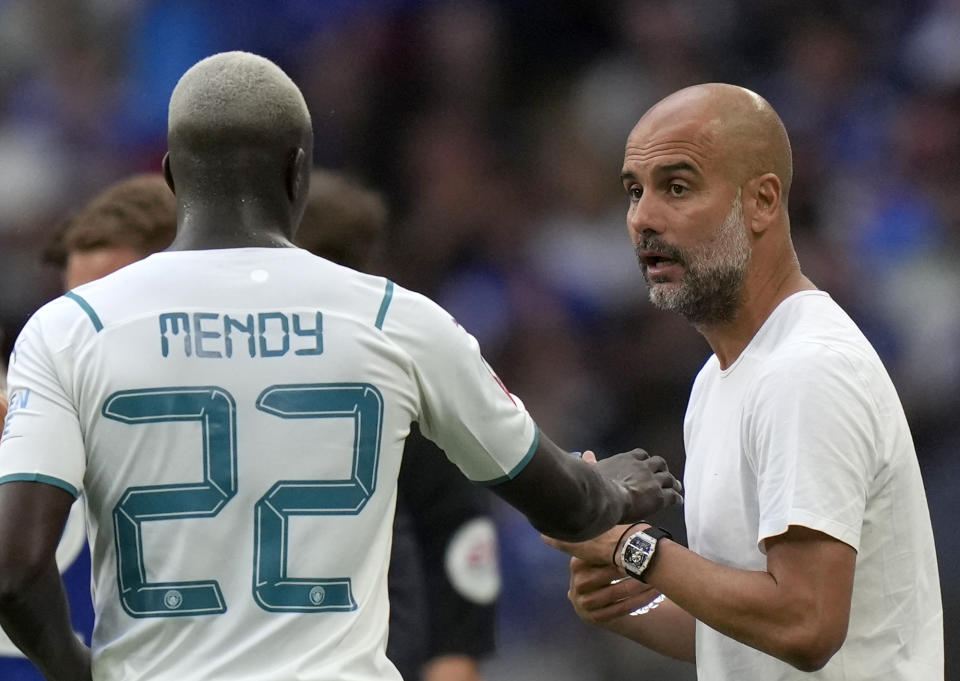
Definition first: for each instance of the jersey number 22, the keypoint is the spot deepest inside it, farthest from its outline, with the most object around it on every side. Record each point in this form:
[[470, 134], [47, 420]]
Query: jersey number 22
[[215, 409]]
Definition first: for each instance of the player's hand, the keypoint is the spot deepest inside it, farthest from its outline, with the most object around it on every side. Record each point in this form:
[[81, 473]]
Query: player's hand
[[647, 484], [3, 407], [600, 593]]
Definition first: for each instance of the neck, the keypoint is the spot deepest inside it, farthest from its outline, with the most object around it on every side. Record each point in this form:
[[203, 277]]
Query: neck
[[761, 295], [235, 224]]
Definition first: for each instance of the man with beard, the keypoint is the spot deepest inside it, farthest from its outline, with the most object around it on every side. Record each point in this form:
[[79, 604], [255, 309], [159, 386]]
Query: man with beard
[[810, 539]]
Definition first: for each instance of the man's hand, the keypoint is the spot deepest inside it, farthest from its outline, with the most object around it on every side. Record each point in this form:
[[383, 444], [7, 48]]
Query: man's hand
[[566, 498], [648, 485], [600, 593]]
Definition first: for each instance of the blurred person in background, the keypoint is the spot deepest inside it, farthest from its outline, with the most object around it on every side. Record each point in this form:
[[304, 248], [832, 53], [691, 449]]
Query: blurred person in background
[[444, 576], [811, 547], [126, 222]]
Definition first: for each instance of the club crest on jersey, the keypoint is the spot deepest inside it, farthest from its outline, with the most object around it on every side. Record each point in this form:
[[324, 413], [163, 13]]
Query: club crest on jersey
[[173, 599]]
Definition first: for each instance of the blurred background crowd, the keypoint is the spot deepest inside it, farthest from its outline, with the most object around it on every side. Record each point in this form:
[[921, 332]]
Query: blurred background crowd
[[496, 130]]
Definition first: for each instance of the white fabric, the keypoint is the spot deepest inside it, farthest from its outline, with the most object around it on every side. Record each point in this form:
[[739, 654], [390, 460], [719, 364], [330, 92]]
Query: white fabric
[[423, 366], [805, 428]]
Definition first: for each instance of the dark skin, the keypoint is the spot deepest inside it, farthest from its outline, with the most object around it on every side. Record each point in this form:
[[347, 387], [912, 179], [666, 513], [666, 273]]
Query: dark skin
[[253, 196], [33, 604]]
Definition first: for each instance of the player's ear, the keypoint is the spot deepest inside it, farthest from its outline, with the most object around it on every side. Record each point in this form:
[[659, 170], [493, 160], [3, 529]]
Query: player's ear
[[296, 173], [167, 175]]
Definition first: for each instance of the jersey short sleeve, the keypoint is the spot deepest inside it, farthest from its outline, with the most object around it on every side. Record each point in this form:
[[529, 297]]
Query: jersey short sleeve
[[42, 439], [464, 407], [810, 436]]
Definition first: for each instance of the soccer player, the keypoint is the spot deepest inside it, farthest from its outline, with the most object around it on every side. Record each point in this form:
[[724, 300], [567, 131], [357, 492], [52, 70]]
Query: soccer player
[[443, 577], [234, 411], [443, 536], [810, 539]]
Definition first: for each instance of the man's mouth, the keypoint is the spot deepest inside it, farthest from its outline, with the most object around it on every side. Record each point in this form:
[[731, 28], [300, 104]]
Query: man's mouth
[[658, 263]]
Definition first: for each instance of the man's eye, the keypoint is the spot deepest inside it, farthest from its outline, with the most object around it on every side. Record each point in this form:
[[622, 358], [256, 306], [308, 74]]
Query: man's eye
[[635, 193], [677, 189]]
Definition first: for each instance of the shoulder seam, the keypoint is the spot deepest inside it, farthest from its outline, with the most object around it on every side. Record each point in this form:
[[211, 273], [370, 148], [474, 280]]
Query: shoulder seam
[[85, 306], [384, 304]]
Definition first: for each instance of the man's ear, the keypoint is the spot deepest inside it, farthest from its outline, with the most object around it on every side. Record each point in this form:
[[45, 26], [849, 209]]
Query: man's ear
[[762, 201], [167, 174], [296, 169]]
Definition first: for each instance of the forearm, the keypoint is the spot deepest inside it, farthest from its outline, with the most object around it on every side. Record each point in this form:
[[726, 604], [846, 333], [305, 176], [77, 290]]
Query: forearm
[[562, 496], [35, 615], [749, 606], [668, 630], [796, 610]]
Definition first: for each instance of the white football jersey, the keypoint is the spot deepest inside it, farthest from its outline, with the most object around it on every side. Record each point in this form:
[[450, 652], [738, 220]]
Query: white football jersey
[[235, 419]]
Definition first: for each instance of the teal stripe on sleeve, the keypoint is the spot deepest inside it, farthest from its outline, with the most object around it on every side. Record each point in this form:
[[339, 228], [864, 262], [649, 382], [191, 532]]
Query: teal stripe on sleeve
[[85, 306], [387, 296], [519, 467], [45, 479]]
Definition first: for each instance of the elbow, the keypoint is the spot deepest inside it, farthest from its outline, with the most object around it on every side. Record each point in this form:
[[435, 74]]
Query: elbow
[[813, 649], [809, 660]]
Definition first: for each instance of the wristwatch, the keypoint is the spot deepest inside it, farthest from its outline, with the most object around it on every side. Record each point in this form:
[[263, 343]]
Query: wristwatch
[[637, 552]]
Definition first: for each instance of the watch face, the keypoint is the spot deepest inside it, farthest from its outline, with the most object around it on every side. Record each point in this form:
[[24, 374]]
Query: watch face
[[638, 545], [637, 552]]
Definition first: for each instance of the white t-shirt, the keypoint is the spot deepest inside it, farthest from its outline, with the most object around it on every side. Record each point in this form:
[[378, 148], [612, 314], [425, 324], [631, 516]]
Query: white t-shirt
[[236, 419], [805, 428]]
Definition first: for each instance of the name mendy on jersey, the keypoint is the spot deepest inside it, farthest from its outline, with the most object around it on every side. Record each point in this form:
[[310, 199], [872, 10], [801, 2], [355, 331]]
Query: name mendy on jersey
[[213, 335]]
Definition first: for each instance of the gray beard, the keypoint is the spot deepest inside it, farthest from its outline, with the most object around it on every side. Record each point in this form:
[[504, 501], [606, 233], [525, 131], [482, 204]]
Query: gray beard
[[709, 293]]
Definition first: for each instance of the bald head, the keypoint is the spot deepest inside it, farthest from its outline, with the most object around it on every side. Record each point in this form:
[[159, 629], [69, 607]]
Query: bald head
[[742, 131], [236, 99]]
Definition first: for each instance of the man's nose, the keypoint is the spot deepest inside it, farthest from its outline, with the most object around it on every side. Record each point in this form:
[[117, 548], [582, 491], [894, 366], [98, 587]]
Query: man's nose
[[642, 218]]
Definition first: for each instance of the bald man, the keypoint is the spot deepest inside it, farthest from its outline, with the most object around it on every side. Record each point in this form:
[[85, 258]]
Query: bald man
[[234, 410], [810, 539]]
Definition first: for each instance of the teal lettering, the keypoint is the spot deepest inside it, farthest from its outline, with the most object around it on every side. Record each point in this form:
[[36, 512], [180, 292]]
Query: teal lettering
[[231, 323], [199, 334], [178, 322], [214, 335], [18, 400], [265, 317], [316, 332]]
